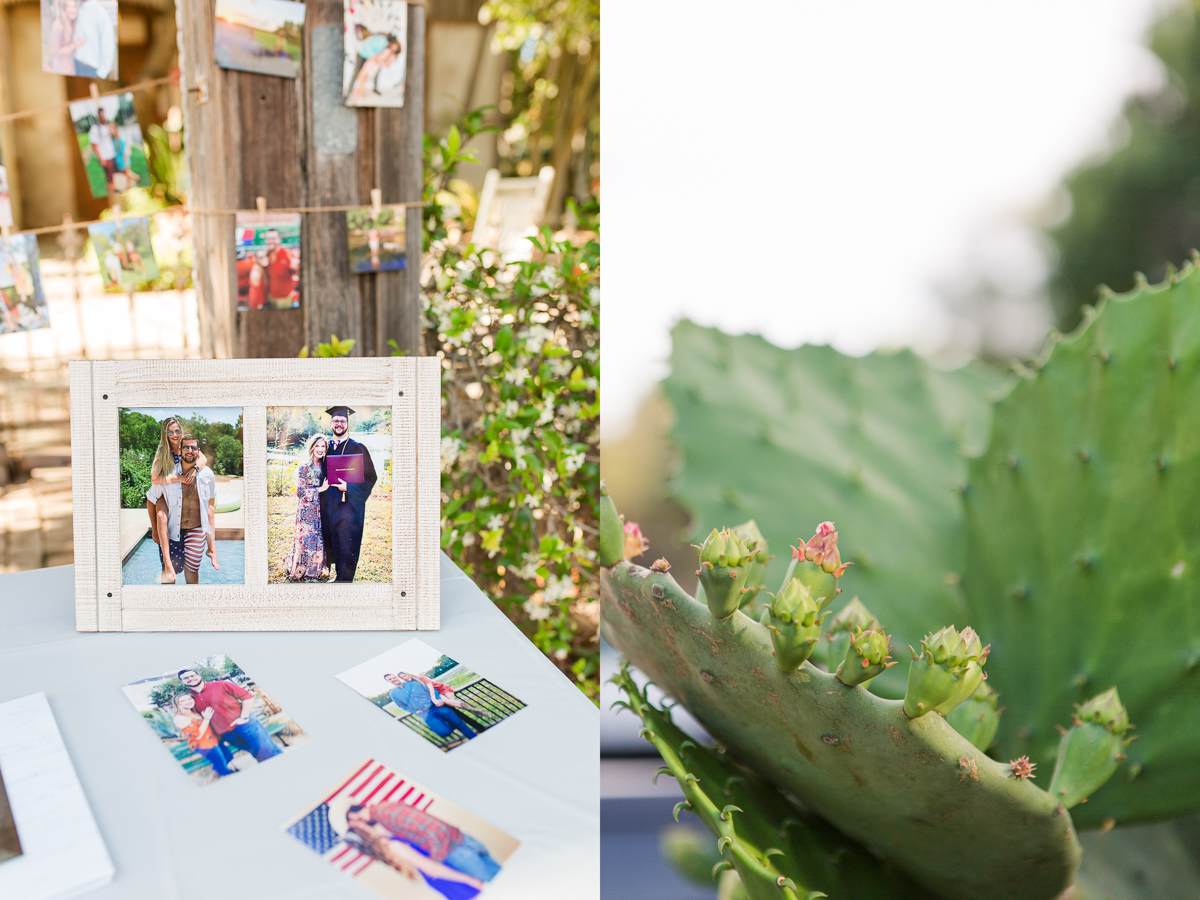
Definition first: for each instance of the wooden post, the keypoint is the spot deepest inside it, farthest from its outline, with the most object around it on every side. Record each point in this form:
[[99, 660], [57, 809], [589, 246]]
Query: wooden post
[[294, 143]]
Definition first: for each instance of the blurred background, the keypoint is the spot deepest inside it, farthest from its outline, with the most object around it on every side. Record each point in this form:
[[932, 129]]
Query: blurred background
[[954, 178]]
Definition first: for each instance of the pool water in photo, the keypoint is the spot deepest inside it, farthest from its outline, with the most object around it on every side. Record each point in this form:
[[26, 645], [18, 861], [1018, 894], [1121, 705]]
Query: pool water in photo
[[143, 566]]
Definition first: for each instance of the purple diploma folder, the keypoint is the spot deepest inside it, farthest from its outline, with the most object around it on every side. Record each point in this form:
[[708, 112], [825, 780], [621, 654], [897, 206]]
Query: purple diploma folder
[[348, 468]]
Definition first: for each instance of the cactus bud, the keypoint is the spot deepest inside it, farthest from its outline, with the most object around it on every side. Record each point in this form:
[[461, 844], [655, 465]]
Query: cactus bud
[[724, 565], [661, 565], [635, 544], [853, 618], [612, 538], [759, 558], [866, 657], [978, 717], [822, 550], [1021, 767], [946, 673], [1089, 753], [793, 618]]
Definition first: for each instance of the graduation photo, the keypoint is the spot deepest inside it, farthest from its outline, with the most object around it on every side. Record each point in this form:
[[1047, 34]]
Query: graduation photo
[[329, 494]]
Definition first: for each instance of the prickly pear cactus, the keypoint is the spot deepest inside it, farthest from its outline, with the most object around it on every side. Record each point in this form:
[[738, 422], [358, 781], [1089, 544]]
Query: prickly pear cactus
[[963, 825], [778, 852], [1083, 521], [877, 441]]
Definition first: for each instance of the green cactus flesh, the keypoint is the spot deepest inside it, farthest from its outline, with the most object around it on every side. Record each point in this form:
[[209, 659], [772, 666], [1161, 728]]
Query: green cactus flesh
[[876, 442], [913, 789], [778, 852], [1083, 519]]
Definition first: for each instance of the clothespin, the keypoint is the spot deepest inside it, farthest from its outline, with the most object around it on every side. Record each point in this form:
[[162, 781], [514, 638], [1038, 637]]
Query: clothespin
[[116, 208], [95, 92], [261, 203], [6, 231], [376, 202], [69, 240], [201, 89]]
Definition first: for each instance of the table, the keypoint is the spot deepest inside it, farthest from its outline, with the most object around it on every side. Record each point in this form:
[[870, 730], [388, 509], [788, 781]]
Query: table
[[535, 775]]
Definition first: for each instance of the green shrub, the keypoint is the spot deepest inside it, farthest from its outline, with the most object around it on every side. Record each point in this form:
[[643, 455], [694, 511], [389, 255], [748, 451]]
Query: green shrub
[[135, 478], [281, 478], [229, 456], [519, 346]]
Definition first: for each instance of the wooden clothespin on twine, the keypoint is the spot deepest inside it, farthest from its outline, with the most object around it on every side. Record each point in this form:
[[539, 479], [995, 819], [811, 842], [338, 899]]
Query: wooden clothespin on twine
[[95, 92], [201, 89], [116, 210], [70, 240], [261, 203], [6, 231], [376, 202]]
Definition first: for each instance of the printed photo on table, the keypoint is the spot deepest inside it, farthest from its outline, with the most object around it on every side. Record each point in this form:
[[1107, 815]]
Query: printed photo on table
[[268, 260], [259, 36], [377, 242], [24, 301], [376, 34], [79, 37], [124, 252], [213, 718], [329, 494], [437, 697], [110, 141], [181, 495], [10, 841], [400, 840], [5, 202]]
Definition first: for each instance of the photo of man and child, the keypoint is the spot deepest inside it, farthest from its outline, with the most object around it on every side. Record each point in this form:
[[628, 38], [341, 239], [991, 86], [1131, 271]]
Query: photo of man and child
[[400, 840], [374, 69], [213, 718], [110, 141], [79, 37], [181, 470], [377, 241], [435, 696], [125, 254], [22, 300], [268, 260]]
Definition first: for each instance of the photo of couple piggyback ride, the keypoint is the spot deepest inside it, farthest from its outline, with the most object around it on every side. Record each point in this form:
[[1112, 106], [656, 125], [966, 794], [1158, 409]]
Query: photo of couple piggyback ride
[[329, 503]]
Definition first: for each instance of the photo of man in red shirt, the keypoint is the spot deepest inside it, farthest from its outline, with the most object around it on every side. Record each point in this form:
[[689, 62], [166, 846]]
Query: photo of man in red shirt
[[233, 720], [283, 273]]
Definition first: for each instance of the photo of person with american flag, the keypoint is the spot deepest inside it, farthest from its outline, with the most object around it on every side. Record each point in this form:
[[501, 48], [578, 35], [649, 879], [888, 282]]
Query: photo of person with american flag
[[400, 840]]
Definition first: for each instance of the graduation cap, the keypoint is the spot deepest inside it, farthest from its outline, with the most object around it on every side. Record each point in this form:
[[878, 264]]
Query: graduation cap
[[343, 411]]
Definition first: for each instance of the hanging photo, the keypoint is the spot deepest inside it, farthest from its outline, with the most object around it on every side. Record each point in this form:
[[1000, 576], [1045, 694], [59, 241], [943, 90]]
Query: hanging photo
[[400, 840], [124, 252], [24, 306], [259, 36], [5, 203], [213, 718], [376, 52], [377, 242], [110, 140], [268, 260], [79, 37]]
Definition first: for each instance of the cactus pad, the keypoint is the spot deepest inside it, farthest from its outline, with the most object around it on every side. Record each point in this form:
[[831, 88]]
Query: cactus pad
[[1083, 521], [875, 443], [913, 789]]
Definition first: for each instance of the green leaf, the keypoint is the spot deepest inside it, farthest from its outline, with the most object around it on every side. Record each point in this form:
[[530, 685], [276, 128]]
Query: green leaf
[[791, 438]]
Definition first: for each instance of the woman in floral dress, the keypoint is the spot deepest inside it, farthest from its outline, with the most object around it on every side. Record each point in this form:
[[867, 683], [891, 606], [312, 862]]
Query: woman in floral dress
[[307, 560]]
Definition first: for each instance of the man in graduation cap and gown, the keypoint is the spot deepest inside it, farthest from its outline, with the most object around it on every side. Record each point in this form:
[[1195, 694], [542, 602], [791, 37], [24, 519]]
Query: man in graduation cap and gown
[[342, 520]]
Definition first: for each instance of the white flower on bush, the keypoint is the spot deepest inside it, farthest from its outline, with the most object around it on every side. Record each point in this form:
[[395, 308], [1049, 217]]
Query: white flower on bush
[[535, 610], [547, 415], [511, 408], [557, 589], [495, 522], [561, 366], [468, 539], [517, 376], [520, 436], [528, 569], [451, 448], [560, 654], [573, 462], [536, 338]]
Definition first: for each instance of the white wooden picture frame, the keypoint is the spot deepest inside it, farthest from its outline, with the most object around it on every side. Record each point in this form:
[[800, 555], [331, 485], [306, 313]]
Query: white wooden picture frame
[[410, 386]]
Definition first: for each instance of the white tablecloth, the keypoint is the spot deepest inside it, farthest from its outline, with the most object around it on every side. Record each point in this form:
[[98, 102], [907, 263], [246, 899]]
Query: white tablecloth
[[535, 775]]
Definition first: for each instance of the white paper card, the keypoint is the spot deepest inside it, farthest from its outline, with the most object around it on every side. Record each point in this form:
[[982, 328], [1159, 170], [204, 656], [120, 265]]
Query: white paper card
[[64, 855]]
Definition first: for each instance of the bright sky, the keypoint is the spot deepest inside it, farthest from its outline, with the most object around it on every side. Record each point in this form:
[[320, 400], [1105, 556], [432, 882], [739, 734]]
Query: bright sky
[[227, 414], [811, 170], [268, 15]]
